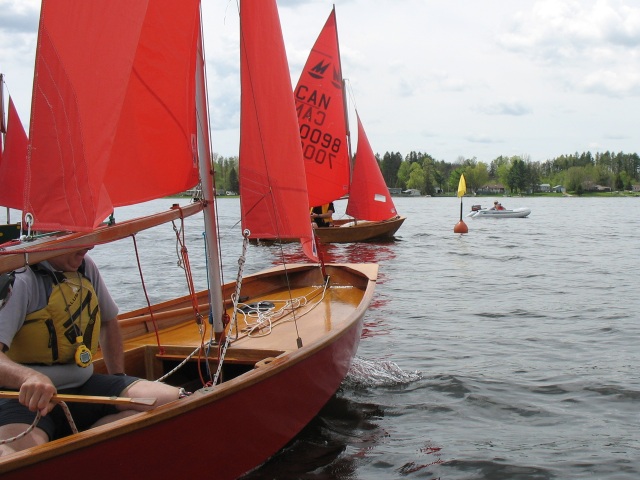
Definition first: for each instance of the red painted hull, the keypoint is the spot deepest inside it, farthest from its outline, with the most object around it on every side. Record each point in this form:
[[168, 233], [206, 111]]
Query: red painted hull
[[222, 438]]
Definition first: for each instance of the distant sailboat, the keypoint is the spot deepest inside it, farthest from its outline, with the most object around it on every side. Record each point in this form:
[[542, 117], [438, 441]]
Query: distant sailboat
[[13, 159], [324, 131], [133, 127]]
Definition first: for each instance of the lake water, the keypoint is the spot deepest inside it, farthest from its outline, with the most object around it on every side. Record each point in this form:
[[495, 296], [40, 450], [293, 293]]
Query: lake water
[[511, 352]]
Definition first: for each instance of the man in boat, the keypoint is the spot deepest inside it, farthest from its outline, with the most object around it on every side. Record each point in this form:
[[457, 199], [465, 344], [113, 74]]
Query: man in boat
[[497, 206], [57, 314], [322, 216]]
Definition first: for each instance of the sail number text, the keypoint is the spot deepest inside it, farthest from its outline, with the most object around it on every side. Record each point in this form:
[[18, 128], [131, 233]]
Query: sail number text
[[318, 146]]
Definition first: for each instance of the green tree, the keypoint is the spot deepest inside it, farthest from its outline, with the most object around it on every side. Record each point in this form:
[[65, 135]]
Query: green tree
[[574, 179], [454, 179], [233, 182], [416, 177], [517, 176], [476, 176], [403, 175], [429, 168], [532, 176], [390, 168]]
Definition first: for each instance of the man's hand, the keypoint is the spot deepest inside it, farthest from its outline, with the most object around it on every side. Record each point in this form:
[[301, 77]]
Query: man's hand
[[36, 392]]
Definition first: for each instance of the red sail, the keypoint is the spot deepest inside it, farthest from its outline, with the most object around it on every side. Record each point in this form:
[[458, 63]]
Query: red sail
[[322, 117], [273, 193], [369, 198], [13, 162], [108, 126]]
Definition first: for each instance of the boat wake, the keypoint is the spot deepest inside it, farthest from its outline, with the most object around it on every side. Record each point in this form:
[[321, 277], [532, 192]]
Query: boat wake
[[367, 373]]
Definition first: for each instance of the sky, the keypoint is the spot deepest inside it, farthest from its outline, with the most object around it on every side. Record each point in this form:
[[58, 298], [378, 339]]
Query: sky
[[451, 78]]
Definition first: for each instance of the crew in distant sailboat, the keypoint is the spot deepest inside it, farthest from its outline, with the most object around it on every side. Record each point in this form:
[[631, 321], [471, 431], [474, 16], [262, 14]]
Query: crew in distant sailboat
[[322, 216], [50, 326]]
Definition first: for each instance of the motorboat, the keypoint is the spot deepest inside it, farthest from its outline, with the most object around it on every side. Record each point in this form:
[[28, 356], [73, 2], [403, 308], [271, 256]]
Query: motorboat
[[478, 212]]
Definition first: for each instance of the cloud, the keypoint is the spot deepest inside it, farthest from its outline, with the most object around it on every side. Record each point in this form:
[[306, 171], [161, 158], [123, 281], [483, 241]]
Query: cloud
[[513, 108], [482, 138], [559, 30], [19, 16], [611, 83]]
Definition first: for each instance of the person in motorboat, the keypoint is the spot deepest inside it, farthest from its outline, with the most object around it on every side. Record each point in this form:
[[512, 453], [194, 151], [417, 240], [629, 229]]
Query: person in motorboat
[[322, 216], [497, 206], [51, 323]]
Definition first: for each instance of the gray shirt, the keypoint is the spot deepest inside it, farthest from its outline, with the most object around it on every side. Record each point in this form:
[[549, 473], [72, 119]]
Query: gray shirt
[[28, 295]]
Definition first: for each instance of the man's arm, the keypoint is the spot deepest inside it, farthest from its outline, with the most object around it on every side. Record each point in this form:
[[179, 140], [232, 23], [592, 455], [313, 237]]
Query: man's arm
[[111, 346], [35, 388]]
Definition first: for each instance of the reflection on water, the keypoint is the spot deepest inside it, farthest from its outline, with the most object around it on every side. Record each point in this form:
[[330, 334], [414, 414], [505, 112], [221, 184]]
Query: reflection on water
[[368, 252]]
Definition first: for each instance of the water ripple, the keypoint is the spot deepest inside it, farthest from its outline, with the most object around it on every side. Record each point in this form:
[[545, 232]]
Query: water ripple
[[367, 373]]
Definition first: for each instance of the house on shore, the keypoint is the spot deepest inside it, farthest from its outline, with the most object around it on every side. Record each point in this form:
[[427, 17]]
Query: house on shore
[[495, 189]]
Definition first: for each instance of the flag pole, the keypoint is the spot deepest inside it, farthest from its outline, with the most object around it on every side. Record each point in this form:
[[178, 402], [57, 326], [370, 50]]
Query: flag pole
[[461, 227]]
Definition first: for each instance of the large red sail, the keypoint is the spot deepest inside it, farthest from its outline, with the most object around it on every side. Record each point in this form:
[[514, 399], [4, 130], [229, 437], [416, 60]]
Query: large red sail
[[109, 127], [13, 162], [322, 118], [369, 198], [273, 193]]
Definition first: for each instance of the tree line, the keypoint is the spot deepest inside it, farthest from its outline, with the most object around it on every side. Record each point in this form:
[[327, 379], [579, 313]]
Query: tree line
[[576, 172]]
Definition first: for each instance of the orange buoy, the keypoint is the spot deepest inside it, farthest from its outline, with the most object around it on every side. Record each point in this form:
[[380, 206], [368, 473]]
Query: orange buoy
[[461, 227]]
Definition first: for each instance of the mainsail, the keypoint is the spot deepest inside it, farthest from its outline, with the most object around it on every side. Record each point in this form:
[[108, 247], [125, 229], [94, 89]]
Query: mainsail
[[321, 109], [94, 143], [322, 113]]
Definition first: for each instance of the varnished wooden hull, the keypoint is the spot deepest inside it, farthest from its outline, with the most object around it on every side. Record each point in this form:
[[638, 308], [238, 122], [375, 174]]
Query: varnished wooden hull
[[224, 431], [360, 231]]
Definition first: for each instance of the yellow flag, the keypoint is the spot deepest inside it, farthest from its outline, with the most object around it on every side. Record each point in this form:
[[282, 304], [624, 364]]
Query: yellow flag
[[462, 186]]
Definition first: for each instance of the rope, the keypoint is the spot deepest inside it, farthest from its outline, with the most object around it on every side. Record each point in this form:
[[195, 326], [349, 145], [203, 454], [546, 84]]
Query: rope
[[234, 298], [33, 425], [266, 317], [67, 414], [23, 434], [183, 262], [146, 295], [186, 265]]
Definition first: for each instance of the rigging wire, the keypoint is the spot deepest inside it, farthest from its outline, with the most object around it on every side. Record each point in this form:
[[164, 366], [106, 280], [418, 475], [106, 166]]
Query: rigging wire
[[146, 294]]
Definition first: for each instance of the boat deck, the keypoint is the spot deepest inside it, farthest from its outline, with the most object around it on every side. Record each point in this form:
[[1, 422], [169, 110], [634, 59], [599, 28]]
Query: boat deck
[[317, 313]]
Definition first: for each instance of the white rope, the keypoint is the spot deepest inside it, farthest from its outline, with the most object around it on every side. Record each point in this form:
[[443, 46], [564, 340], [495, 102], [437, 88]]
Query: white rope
[[234, 297], [30, 428], [258, 319]]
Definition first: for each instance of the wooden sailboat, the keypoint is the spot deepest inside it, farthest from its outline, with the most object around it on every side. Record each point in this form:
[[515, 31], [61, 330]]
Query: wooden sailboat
[[13, 145], [151, 107], [324, 131]]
